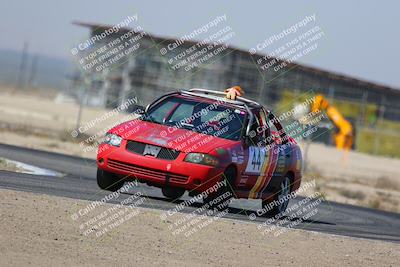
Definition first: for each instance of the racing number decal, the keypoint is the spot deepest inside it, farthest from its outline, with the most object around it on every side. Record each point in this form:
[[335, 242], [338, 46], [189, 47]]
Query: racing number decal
[[267, 169], [256, 160]]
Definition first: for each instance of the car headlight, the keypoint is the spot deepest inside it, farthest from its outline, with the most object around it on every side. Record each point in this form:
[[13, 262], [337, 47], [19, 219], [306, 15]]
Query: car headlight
[[112, 139], [201, 158]]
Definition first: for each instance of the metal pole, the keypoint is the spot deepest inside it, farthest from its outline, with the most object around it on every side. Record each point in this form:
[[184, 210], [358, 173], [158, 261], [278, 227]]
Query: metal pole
[[377, 140]]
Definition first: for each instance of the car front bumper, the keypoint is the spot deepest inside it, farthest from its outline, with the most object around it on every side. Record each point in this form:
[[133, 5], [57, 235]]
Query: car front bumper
[[157, 172]]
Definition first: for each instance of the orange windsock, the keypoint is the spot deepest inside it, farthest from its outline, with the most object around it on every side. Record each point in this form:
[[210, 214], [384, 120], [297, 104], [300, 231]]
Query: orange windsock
[[233, 92]]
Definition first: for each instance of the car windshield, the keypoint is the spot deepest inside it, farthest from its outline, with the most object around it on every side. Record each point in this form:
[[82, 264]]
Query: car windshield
[[203, 117]]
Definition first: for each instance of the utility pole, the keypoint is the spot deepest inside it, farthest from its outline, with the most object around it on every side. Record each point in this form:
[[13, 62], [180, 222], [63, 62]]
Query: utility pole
[[32, 74], [21, 73]]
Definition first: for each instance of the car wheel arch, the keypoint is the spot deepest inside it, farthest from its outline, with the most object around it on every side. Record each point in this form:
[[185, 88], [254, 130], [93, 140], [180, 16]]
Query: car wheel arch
[[234, 168]]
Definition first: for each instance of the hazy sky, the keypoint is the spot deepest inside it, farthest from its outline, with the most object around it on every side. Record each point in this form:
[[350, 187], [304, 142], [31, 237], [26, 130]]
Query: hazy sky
[[362, 38]]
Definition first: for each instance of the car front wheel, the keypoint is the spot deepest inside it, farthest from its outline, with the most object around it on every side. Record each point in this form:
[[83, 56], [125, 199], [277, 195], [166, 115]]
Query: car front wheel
[[108, 181], [172, 193], [221, 199]]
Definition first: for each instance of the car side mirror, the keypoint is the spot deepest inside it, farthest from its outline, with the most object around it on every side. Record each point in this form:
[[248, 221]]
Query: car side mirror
[[140, 110]]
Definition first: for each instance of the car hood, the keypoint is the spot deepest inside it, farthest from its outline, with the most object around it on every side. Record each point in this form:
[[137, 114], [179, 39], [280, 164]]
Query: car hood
[[168, 136]]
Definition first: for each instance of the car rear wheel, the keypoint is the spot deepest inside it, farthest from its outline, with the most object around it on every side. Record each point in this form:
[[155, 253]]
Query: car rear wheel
[[172, 193], [281, 197], [108, 181]]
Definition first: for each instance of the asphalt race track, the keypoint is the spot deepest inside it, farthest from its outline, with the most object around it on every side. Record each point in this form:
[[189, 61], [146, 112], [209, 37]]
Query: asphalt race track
[[79, 182]]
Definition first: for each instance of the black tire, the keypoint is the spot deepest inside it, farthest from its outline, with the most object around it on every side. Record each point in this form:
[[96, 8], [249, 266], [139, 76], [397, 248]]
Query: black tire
[[108, 181], [229, 176], [172, 193], [282, 192]]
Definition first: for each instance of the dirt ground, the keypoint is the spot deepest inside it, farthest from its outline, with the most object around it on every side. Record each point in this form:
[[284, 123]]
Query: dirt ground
[[45, 112], [37, 230], [354, 178], [43, 123]]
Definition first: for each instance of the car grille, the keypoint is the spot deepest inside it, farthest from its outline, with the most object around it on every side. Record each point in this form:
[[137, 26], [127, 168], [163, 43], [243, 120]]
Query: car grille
[[165, 153], [143, 173]]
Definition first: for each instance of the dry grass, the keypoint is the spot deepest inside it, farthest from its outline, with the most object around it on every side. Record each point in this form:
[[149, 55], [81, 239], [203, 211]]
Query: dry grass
[[319, 189], [375, 203], [60, 135], [387, 183], [358, 195]]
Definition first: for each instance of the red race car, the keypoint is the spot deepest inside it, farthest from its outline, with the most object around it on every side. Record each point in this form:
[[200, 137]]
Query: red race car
[[204, 141]]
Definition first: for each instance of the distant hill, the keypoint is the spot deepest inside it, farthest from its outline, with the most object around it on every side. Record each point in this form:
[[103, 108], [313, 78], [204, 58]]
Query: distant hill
[[50, 72]]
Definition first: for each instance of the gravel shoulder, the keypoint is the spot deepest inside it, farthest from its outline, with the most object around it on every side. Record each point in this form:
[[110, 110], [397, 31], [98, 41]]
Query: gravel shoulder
[[38, 230]]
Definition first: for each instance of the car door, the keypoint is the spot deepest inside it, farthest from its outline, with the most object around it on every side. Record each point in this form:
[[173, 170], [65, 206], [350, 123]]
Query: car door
[[269, 157], [278, 143], [261, 160]]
